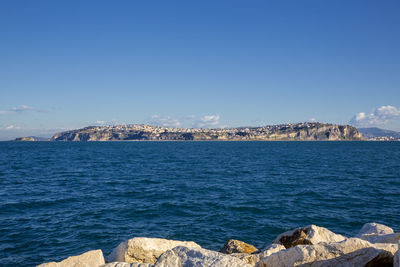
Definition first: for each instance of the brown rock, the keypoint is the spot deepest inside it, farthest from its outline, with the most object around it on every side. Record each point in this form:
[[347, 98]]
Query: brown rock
[[308, 235], [236, 246], [299, 237]]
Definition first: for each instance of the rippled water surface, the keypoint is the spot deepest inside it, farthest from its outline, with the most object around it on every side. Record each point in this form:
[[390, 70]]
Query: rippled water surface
[[62, 199]]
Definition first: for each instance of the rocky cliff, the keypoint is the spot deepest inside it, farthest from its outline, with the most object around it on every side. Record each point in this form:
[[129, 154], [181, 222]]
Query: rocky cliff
[[294, 131]]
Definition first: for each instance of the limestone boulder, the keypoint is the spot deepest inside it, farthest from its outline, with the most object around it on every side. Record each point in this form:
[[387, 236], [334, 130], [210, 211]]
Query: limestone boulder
[[273, 248], [236, 246], [145, 250], [253, 259], [308, 235], [378, 233], [93, 258], [250, 259], [349, 252], [374, 228], [390, 238], [184, 256]]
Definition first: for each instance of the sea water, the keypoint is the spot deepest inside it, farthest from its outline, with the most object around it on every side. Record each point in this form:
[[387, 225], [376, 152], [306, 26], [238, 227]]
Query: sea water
[[63, 199]]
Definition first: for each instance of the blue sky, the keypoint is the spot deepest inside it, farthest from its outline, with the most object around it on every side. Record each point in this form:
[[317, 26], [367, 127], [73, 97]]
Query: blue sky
[[69, 64]]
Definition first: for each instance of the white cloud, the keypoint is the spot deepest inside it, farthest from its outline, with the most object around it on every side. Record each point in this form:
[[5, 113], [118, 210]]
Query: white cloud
[[103, 122], [165, 121], [100, 123], [388, 116], [22, 108], [12, 127], [17, 109], [190, 117], [208, 121]]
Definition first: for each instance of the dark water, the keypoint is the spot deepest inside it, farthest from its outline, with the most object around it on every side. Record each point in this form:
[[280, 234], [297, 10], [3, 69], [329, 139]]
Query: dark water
[[62, 199]]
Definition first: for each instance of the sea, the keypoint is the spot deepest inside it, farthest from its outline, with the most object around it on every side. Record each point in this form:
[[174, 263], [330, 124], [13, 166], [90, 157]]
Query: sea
[[59, 199]]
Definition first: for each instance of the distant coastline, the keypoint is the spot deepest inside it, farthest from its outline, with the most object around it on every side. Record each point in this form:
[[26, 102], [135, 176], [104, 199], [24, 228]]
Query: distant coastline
[[307, 131]]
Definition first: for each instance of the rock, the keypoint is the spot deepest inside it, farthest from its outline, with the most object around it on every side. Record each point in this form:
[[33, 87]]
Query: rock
[[308, 235], [252, 259], [374, 228], [236, 246], [378, 233], [126, 264], [349, 252], [184, 256], [273, 248], [93, 258], [391, 238], [145, 250]]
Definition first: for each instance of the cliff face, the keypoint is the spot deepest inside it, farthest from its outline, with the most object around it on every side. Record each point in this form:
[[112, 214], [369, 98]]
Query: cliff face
[[300, 131]]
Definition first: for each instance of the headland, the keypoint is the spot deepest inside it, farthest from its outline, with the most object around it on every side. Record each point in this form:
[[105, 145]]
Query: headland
[[307, 131]]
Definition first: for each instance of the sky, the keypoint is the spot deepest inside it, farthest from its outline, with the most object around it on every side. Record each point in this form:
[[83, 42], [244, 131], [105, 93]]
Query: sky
[[70, 64]]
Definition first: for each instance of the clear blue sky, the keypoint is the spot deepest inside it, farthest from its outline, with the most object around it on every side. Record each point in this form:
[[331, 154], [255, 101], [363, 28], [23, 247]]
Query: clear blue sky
[[69, 64]]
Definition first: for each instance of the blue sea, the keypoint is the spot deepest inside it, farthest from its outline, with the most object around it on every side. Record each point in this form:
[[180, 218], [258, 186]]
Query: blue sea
[[63, 199]]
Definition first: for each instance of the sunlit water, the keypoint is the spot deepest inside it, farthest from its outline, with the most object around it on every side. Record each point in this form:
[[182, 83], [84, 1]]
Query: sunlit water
[[62, 199]]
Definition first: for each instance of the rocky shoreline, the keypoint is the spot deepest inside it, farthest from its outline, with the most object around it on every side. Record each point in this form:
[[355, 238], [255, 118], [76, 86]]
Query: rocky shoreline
[[375, 245]]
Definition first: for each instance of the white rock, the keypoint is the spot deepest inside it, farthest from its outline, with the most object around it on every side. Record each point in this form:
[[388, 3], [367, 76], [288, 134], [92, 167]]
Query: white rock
[[349, 252], [273, 248], [253, 259], [374, 228], [390, 238], [145, 250], [378, 233], [184, 256], [126, 264], [93, 258], [308, 235]]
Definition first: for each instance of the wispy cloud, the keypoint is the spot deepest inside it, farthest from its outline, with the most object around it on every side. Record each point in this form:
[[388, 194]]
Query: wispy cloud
[[12, 127], [207, 121], [165, 121], [21, 108], [104, 122], [17, 109], [388, 116], [100, 123]]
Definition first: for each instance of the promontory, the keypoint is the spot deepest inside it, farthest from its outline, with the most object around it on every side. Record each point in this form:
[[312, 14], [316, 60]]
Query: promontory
[[307, 131]]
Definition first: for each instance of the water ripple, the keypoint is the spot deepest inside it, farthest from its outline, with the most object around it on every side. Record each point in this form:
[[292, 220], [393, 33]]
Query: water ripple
[[62, 199]]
